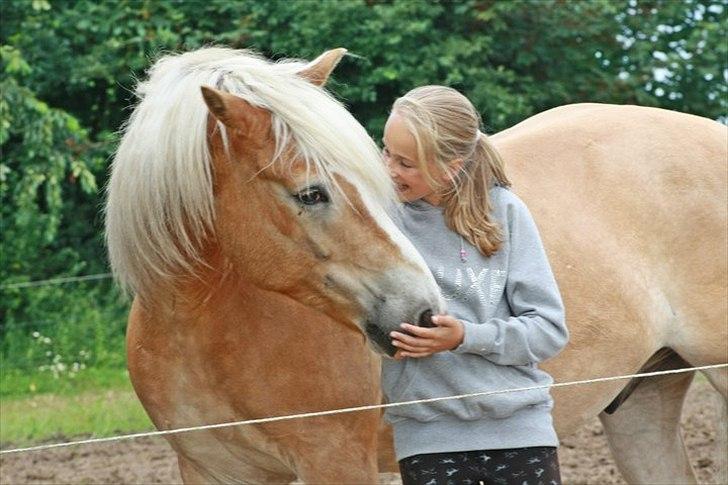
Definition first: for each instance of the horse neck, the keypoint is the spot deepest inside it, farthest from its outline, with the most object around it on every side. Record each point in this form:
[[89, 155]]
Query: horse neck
[[270, 328], [222, 302], [219, 334]]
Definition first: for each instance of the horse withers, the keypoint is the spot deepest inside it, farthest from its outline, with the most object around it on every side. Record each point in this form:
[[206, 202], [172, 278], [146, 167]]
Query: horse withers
[[247, 212]]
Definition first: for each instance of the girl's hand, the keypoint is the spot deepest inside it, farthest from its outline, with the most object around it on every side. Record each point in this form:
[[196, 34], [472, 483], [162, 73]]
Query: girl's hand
[[447, 334]]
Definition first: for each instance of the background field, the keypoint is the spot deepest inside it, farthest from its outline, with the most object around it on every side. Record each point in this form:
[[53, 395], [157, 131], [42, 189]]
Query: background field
[[68, 75]]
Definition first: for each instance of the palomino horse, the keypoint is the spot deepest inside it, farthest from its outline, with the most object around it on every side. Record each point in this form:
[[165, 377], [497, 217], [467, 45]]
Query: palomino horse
[[256, 238], [631, 205], [260, 259]]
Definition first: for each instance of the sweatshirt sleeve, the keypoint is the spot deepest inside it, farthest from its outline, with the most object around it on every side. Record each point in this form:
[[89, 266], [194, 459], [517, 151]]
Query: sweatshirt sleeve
[[537, 329]]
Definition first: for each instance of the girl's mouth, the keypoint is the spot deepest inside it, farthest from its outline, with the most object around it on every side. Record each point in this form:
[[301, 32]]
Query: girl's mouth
[[402, 187]]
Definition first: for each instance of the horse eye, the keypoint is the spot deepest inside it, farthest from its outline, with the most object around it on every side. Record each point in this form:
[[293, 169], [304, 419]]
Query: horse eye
[[312, 196]]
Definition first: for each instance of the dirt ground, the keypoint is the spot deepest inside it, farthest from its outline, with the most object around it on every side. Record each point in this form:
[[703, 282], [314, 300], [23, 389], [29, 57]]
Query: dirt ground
[[585, 457]]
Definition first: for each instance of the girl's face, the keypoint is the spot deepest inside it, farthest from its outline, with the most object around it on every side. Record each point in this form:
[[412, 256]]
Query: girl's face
[[400, 154]]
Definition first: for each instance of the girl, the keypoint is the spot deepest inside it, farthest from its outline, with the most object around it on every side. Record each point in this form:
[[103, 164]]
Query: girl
[[506, 313]]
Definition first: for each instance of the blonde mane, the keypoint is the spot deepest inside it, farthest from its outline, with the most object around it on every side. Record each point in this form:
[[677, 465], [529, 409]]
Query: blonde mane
[[160, 204]]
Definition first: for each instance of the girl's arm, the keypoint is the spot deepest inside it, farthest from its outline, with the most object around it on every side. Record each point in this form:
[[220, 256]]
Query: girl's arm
[[536, 332]]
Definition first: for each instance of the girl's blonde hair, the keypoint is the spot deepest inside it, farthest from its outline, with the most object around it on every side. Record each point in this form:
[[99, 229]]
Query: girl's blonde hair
[[446, 128]]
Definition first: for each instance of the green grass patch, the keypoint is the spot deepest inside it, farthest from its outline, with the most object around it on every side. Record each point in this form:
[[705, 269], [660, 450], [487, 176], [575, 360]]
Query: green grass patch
[[45, 406], [15, 383], [53, 417]]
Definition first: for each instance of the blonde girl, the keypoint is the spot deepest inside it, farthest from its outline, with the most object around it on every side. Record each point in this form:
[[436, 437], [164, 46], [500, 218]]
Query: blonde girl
[[505, 313]]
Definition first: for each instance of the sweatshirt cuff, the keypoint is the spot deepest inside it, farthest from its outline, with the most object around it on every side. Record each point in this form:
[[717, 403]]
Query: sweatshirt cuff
[[479, 338]]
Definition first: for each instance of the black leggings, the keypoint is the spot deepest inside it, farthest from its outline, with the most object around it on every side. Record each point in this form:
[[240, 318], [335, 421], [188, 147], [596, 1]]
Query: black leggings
[[518, 466]]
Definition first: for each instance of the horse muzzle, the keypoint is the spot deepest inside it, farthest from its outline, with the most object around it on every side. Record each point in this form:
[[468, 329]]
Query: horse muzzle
[[381, 340], [389, 298]]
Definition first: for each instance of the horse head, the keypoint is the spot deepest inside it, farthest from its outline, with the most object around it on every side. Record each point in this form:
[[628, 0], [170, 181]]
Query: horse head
[[236, 168]]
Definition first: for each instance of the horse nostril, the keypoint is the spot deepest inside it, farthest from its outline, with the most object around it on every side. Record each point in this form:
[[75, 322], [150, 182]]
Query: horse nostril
[[426, 319]]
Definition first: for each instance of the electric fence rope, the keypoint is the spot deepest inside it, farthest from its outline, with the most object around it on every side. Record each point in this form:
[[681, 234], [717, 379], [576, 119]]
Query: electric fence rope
[[55, 281], [352, 409]]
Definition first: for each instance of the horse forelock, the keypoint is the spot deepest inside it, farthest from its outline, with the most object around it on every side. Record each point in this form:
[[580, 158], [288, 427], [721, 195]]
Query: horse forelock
[[160, 205]]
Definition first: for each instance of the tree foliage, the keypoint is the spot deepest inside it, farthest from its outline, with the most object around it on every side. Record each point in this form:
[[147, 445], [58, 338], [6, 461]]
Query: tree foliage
[[69, 69]]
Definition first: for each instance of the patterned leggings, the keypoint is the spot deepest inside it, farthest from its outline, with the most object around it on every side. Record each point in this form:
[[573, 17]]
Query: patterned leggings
[[519, 466]]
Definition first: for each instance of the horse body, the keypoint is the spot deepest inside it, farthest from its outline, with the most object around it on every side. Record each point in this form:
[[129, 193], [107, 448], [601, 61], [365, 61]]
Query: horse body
[[258, 297], [631, 204], [232, 358]]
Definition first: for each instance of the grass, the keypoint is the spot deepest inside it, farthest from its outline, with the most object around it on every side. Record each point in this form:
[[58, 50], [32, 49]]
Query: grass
[[15, 383], [96, 402]]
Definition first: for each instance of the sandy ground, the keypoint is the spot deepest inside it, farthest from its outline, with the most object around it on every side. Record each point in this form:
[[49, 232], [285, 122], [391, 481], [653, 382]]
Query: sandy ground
[[585, 457]]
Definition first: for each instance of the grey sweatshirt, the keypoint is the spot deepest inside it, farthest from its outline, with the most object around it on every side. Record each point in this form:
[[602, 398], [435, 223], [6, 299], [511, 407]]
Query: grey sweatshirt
[[513, 317]]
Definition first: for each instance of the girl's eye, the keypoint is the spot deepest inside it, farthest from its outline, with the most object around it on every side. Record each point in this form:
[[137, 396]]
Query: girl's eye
[[312, 196], [397, 159]]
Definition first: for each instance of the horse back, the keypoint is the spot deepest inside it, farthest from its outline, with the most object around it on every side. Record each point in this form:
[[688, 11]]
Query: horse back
[[645, 187], [631, 205]]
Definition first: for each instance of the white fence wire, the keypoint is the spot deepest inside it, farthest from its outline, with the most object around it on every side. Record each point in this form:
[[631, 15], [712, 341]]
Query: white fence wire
[[351, 410]]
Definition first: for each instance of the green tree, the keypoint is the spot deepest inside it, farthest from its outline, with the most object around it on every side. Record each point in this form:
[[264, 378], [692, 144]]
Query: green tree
[[47, 189], [69, 69], [677, 53]]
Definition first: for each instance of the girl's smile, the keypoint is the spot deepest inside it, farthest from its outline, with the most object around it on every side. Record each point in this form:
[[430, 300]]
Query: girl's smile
[[400, 154]]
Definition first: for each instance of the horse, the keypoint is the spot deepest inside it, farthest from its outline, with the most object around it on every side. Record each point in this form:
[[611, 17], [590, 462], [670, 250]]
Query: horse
[[247, 213], [254, 242], [631, 205]]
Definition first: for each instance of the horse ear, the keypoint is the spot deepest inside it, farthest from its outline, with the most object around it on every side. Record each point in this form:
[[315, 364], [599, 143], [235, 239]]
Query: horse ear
[[232, 111], [318, 71]]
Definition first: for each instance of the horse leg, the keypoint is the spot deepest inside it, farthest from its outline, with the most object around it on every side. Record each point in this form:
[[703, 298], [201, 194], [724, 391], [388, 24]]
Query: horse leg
[[342, 451], [644, 432], [387, 462], [704, 344], [190, 474], [719, 379], [195, 475]]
